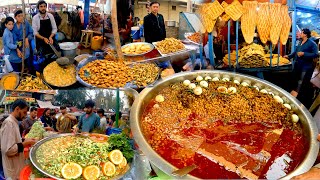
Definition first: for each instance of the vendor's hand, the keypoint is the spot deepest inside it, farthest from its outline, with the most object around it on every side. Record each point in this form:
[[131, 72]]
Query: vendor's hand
[[27, 45], [286, 56], [49, 129], [50, 40], [75, 130], [300, 54], [29, 142], [19, 53], [46, 40]]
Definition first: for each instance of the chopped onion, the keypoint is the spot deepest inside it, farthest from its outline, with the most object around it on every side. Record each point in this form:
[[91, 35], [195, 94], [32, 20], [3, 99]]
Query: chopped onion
[[287, 106], [264, 91], [244, 84]]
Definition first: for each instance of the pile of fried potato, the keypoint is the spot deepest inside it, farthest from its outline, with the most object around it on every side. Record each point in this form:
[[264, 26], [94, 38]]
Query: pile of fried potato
[[144, 74], [106, 74], [169, 45], [30, 83], [136, 49]]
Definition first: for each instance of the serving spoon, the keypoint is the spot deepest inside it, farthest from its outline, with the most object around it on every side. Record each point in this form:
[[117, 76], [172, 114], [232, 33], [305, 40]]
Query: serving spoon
[[184, 171]]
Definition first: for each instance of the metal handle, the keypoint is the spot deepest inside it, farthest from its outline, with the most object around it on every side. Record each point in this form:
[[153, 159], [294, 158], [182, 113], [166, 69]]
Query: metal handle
[[55, 51]]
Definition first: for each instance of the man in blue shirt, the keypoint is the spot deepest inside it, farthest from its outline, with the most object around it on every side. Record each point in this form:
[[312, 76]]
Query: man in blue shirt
[[89, 121], [18, 34]]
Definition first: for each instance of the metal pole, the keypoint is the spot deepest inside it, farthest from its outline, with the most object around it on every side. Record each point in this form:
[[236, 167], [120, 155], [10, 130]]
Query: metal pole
[[86, 12], [117, 107], [229, 24], [23, 36], [237, 42]]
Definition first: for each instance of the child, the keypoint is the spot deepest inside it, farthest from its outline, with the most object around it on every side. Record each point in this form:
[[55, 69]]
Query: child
[[10, 48]]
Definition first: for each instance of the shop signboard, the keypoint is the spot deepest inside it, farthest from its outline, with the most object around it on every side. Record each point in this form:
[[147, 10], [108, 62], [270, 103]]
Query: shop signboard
[[10, 99]]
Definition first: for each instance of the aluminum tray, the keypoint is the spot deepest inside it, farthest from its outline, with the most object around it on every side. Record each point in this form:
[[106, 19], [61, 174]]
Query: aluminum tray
[[33, 159], [137, 43], [308, 125]]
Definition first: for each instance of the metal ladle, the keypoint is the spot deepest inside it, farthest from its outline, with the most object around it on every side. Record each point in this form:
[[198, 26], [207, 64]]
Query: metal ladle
[[62, 61]]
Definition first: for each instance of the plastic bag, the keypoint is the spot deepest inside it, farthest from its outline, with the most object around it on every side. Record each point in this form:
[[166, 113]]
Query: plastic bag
[[8, 66]]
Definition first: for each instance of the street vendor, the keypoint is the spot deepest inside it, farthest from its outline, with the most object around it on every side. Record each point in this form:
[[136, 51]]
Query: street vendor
[[89, 121], [154, 28], [12, 145], [65, 121], [44, 28]]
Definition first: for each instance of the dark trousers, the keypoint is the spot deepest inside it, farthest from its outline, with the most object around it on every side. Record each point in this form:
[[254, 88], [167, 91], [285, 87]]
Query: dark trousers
[[16, 66]]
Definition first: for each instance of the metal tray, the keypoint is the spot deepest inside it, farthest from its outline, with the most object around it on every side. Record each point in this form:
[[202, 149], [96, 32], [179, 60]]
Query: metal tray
[[137, 43], [169, 54], [33, 158], [309, 127], [128, 85], [189, 34]]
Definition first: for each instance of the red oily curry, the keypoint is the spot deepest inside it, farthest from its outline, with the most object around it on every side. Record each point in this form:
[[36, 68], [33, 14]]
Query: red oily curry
[[228, 129]]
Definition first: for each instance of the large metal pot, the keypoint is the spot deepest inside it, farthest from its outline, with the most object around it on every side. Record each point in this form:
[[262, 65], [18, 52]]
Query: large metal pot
[[308, 125]]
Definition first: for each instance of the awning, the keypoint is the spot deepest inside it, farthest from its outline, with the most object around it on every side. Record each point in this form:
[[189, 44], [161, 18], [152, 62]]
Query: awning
[[46, 104], [18, 2]]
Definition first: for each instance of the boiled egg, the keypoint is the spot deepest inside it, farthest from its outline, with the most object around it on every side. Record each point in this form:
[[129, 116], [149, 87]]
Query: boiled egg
[[278, 99], [199, 78], [222, 89], [236, 81], [264, 91], [256, 87], [159, 98], [207, 78], [232, 90], [192, 86], [204, 84], [186, 82], [197, 90], [287, 106], [244, 84], [295, 118], [215, 79], [225, 79], [156, 106]]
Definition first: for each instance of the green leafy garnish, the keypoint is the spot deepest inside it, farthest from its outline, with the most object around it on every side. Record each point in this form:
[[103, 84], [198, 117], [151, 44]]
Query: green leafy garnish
[[121, 142]]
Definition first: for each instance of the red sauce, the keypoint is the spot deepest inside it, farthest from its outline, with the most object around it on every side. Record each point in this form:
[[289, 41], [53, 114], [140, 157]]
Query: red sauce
[[238, 144]]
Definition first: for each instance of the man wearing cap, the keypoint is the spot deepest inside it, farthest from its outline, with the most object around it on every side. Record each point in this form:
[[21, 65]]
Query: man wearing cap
[[89, 121], [44, 27], [65, 121]]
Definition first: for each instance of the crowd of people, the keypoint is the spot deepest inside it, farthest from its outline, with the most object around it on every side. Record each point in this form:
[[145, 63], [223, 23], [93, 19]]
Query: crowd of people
[[15, 126]]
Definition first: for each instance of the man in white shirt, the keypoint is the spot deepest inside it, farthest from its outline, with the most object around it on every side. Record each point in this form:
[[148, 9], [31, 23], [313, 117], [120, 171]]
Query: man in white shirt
[[44, 27], [103, 119]]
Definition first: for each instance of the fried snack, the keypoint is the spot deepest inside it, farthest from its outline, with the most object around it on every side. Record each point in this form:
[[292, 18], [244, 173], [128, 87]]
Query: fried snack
[[209, 12], [169, 45], [225, 17], [282, 60], [9, 81], [251, 56], [286, 25], [59, 76], [276, 22], [106, 74], [30, 83], [144, 74], [136, 49], [264, 22], [314, 34], [233, 58], [248, 20], [235, 10], [195, 37]]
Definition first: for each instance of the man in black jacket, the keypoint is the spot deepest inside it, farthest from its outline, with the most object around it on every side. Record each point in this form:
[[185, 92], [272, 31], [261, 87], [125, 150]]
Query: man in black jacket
[[154, 28]]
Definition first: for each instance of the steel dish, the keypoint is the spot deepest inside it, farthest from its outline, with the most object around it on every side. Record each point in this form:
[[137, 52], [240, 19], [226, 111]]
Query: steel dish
[[137, 43], [186, 35], [308, 125], [33, 158]]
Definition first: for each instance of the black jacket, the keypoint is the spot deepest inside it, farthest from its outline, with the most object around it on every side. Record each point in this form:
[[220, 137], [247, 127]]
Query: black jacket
[[154, 28]]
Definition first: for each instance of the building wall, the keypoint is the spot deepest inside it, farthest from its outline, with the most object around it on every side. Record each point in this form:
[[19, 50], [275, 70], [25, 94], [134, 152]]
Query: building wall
[[165, 9]]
